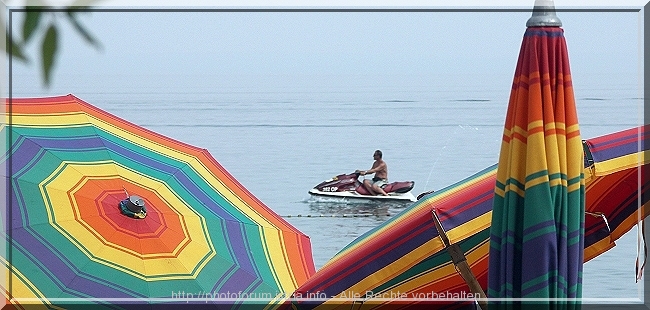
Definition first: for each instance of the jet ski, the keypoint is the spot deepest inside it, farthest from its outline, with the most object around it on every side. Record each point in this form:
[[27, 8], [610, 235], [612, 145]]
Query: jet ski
[[349, 186]]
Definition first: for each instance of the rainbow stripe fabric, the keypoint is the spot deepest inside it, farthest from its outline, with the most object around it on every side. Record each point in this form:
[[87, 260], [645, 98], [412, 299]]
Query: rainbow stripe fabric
[[537, 232], [405, 261], [615, 175], [69, 165]]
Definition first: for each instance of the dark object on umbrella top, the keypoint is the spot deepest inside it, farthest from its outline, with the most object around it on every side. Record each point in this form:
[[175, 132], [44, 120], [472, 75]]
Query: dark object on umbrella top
[[133, 206]]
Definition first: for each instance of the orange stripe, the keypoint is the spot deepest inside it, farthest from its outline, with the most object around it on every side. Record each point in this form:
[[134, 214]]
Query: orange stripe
[[130, 233], [597, 248]]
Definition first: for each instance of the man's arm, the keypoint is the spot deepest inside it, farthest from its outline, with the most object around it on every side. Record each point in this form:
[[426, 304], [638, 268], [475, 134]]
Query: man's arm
[[375, 169]]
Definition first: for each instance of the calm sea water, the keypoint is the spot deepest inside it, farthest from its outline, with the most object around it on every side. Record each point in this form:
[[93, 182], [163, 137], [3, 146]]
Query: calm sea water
[[279, 136]]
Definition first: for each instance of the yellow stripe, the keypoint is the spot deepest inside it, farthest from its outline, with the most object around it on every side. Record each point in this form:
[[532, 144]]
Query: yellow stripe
[[576, 186], [195, 255], [554, 154], [535, 124], [470, 228], [277, 257], [447, 271], [513, 152], [399, 266], [515, 189], [554, 125], [438, 275], [536, 181], [499, 192], [621, 163], [572, 128], [598, 248], [421, 206], [200, 168], [274, 242], [538, 158], [630, 221], [22, 290]]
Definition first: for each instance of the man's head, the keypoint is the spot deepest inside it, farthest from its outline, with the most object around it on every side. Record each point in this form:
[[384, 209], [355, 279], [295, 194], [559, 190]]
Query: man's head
[[377, 154]]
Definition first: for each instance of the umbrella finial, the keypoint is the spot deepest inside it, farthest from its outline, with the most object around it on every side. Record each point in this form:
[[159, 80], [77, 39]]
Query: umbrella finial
[[544, 15], [133, 206]]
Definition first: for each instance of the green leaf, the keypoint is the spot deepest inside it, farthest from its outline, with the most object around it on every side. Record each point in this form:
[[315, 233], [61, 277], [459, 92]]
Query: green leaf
[[17, 50], [49, 49], [11, 47], [32, 18], [85, 34]]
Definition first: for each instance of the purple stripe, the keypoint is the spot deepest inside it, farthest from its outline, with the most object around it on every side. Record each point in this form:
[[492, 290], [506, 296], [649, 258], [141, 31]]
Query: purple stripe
[[229, 281], [634, 135], [542, 225], [72, 142], [240, 281], [473, 212], [415, 237], [26, 151], [497, 273], [547, 253], [546, 32], [539, 256], [608, 149], [624, 210], [223, 278], [599, 231], [411, 239], [233, 234], [18, 202], [74, 281]]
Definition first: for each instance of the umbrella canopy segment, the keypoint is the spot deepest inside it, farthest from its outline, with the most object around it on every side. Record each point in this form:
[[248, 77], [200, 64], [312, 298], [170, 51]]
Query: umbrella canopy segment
[[616, 169], [405, 257], [537, 232], [405, 261], [71, 165]]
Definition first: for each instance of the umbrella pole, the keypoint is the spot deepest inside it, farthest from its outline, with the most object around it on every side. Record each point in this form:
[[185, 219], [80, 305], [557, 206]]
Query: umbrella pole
[[460, 262]]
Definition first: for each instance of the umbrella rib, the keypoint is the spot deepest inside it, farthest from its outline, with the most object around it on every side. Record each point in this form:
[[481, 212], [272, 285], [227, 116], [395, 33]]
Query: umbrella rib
[[460, 262]]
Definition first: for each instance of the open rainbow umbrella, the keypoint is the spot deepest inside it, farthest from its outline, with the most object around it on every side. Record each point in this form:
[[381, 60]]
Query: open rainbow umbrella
[[103, 211], [537, 232], [405, 261]]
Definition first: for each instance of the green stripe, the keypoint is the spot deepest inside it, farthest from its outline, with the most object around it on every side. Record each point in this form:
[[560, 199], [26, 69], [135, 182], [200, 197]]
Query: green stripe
[[416, 206], [37, 213], [435, 261], [96, 155]]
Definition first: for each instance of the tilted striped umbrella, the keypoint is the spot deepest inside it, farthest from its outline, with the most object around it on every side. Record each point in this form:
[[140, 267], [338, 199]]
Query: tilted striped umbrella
[[104, 211], [404, 261], [537, 232], [616, 173]]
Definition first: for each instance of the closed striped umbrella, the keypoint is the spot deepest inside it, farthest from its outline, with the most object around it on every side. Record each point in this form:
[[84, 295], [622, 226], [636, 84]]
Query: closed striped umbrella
[[104, 211], [537, 233]]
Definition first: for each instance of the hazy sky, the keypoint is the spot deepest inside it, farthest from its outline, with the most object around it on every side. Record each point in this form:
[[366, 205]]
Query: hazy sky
[[137, 44]]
